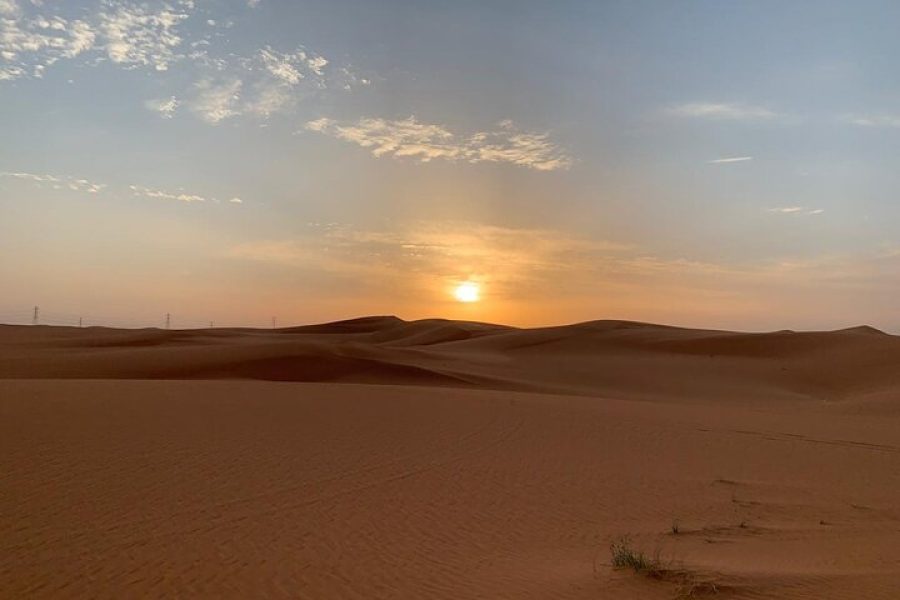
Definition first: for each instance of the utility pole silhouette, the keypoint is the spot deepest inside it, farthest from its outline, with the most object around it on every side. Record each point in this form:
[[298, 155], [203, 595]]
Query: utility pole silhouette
[[168, 320], [273, 322], [79, 322], [210, 324], [34, 319]]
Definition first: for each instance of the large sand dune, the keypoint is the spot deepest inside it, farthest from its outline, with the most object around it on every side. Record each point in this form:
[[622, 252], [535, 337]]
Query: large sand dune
[[378, 458]]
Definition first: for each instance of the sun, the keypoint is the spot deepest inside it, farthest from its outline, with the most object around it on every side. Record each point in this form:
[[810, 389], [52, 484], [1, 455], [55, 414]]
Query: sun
[[467, 291]]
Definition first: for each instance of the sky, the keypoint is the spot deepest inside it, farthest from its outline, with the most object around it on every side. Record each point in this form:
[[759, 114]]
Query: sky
[[699, 163]]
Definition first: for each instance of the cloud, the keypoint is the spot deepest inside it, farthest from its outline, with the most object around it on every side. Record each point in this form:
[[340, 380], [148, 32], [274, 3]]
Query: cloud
[[291, 67], [9, 8], [83, 185], [180, 195], [795, 210], [151, 193], [426, 252], [532, 273], [126, 33], [733, 159], [722, 111], [276, 80], [214, 80], [135, 35], [58, 183], [267, 100], [217, 101], [280, 66], [874, 120], [524, 265], [426, 141], [28, 45], [165, 107], [263, 84]]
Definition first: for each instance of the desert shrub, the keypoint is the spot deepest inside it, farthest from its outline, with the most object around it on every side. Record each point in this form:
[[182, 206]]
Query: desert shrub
[[624, 555]]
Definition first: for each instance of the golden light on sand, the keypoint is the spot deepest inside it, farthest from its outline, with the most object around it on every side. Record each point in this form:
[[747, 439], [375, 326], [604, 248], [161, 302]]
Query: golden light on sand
[[467, 291]]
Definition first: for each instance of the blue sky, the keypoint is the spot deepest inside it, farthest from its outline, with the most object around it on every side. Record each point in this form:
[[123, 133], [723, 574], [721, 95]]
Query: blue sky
[[727, 164]]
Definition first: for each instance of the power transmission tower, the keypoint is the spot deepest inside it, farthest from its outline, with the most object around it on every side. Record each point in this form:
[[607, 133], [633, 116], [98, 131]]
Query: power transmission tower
[[34, 319], [168, 320]]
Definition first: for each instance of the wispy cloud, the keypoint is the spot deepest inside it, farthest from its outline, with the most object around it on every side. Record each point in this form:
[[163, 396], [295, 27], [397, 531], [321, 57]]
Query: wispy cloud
[[427, 141], [213, 79], [138, 35], [291, 67], [429, 251], [517, 263], [722, 111], [57, 183], [217, 101], [166, 107], [31, 43], [525, 270], [77, 184], [733, 159], [890, 121], [267, 83], [9, 8], [129, 34], [795, 210], [180, 195], [151, 193]]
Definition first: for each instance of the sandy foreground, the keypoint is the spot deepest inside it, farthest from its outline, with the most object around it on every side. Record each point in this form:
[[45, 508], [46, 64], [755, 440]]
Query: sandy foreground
[[378, 458]]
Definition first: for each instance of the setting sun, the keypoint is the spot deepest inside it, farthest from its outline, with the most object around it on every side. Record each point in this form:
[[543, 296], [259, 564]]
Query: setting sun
[[467, 292]]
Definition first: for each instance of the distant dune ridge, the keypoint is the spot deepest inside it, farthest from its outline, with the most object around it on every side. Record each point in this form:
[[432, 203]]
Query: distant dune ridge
[[383, 458], [619, 358]]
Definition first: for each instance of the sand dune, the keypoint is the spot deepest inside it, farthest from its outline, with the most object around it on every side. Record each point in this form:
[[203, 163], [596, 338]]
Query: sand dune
[[379, 458], [615, 358]]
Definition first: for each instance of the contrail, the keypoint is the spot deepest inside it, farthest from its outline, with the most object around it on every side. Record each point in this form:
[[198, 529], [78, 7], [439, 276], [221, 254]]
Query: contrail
[[719, 161]]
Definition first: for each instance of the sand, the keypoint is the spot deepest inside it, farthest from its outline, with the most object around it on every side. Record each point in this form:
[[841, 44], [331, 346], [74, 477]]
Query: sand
[[378, 458]]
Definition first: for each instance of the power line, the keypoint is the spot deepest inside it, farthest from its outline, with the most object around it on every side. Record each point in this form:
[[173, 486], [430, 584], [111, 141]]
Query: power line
[[48, 316]]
